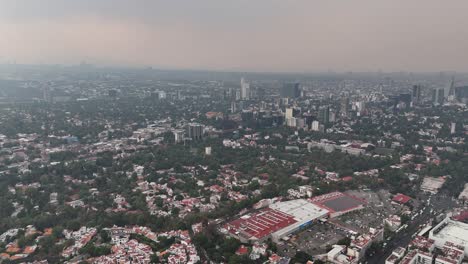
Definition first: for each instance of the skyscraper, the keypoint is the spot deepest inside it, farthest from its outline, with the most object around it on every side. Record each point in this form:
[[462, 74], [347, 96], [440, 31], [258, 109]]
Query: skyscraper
[[416, 95], [245, 90], [451, 92], [324, 115], [438, 96], [315, 126], [344, 106], [290, 90], [233, 107], [46, 93], [291, 112]]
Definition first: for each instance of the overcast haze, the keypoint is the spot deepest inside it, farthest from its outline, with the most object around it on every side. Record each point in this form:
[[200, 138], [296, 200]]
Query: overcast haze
[[259, 35]]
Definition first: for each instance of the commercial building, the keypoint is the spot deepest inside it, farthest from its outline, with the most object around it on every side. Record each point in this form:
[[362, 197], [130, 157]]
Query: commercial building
[[438, 96], [258, 226], [396, 255], [245, 90], [450, 231], [304, 212], [344, 106], [359, 245], [324, 115], [416, 95], [338, 203], [447, 254], [432, 185], [275, 222], [461, 94]]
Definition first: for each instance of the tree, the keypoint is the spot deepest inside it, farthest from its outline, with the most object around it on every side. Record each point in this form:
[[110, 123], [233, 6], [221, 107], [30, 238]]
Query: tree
[[105, 236], [301, 257]]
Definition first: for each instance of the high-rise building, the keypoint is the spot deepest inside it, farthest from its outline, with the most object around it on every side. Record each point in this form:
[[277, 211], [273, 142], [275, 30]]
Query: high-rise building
[[315, 125], [453, 128], [451, 92], [195, 131], [291, 122], [438, 96], [461, 94], [233, 107], [332, 117], [208, 151], [405, 98], [178, 135], [179, 95], [324, 115], [46, 93], [291, 112], [416, 94], [344, 106], [300, 122], [245, 90], [290, 90]]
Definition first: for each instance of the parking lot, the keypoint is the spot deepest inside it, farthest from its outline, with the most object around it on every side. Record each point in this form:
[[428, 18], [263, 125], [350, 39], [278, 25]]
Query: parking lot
[[314, 240], [319, 237]]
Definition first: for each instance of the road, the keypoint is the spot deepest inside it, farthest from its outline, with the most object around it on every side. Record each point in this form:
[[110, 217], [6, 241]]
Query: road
[[403, 238], [438, 203]]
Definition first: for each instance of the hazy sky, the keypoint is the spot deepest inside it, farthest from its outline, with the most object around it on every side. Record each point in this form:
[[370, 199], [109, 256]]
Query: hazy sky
[[261, 35]]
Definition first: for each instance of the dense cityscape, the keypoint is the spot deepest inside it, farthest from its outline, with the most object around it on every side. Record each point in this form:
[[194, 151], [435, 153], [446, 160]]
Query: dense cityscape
[[139, 165]]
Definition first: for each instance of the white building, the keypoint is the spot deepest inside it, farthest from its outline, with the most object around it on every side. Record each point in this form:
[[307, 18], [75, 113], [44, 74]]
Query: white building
[[245, 90], [464, 194], [450, 231], [432, 185], [303, 212], [315, 126], [289, 113], [207, 151]]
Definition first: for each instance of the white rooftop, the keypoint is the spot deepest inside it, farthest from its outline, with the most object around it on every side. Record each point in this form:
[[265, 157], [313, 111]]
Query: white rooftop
[[451, 231], [432, 184], [464, 194], [454, 231], [300, 209]]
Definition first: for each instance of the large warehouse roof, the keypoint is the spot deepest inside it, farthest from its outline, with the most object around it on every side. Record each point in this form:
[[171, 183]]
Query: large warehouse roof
[[300, 209], [337, 202], [259, 224]]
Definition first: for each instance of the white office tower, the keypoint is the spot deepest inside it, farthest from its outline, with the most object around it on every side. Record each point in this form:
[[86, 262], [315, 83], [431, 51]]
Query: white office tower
[[453, 128], [315, 126], [289, 113], [291, 122], [208, 151], [245, 90]]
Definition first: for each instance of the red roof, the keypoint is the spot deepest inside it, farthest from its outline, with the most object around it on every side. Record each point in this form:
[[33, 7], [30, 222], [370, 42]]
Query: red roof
[[242, 250], [401, 198], [347, 178], [462, 216], [260, 224]]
